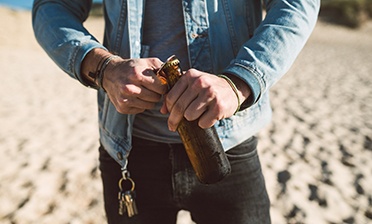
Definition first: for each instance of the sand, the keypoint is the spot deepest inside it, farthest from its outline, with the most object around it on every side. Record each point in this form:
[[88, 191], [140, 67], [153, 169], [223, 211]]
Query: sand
[[316, 154]]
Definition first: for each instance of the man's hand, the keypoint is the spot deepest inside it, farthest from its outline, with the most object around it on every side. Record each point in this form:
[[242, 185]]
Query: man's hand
[[203, 96], [131, 85]]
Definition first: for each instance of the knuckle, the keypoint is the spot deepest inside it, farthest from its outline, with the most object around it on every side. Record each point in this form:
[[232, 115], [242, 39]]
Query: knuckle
[[131, 63], [211, 93], [121, 109], [136, 75], [178, 108], [155, 61], [192, 70], [169, 102], [218, 112], [205, 124], [198, 83], [171, 123], [127, 90], [189, 116], [218, 108]]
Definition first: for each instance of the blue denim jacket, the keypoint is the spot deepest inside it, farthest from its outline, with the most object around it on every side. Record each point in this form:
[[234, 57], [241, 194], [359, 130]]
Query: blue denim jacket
[[223, 36]]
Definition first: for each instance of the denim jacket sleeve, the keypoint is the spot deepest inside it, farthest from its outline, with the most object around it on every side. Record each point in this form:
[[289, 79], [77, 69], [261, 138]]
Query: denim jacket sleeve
[[58, 28], [277, 41]]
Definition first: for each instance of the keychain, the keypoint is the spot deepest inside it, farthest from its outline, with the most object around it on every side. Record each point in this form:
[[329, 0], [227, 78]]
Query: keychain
[[127, 197]]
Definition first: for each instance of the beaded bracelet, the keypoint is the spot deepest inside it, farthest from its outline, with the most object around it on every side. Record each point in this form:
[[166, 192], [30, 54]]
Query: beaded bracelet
[[233, 86]]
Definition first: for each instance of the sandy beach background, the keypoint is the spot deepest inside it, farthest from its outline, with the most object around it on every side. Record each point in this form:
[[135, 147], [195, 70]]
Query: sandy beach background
[[316, 154]]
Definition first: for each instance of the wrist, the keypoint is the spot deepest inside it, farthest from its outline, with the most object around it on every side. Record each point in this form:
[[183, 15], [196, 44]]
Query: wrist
[[99, 74], [243, 90], [91, 65], [234, 89]]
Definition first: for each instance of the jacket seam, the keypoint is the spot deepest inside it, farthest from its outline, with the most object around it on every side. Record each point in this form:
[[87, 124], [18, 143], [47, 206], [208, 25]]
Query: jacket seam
[[72, 63], [120, 27], [230, 26]]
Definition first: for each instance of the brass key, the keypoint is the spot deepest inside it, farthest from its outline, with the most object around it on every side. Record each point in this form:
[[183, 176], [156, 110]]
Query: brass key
[[130, 203], [122, 207]]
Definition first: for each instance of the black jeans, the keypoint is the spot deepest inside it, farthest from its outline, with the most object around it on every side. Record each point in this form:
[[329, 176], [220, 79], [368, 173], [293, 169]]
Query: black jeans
[[166, 183]]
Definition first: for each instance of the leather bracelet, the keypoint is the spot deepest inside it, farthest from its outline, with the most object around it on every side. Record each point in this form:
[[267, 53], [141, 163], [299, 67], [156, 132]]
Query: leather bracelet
[[233, 86], [101, 72], [94, 75]]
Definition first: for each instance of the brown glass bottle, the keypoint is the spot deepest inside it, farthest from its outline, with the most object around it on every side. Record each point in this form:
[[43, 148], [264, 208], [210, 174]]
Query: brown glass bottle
[[203, 146]]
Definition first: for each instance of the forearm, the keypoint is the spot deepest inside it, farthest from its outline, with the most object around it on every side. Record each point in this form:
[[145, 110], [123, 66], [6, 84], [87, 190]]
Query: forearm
[[90, 64], [59, 30]]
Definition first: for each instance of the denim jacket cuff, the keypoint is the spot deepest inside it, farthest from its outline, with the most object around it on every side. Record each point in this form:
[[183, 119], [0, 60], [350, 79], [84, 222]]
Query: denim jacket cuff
[[82, 51], [249, 76]]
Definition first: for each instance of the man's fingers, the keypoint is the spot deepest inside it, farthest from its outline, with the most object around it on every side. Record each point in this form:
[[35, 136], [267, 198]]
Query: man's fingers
[[140, 92], [164, 109], [208, 119], [175, 93], [178, 105], [132, 105], [195, 110], [152, 82]]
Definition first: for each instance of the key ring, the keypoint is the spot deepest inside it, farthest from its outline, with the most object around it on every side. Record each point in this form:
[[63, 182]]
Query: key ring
[[131, 181]]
